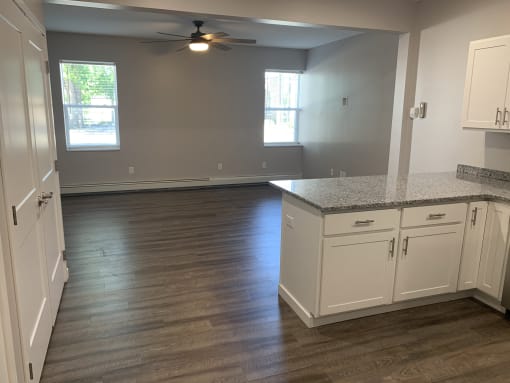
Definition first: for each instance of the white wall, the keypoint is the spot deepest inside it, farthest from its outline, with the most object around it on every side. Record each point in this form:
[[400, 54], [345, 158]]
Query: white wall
[[447, 27], [180, 114], [354, 138]]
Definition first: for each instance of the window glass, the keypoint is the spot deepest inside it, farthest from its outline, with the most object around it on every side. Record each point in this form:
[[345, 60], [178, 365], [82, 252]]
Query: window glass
[[89, 95], [281, 107]]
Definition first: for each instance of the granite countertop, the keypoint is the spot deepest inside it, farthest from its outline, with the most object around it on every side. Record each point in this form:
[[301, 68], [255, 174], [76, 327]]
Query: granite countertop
[[331, 195]]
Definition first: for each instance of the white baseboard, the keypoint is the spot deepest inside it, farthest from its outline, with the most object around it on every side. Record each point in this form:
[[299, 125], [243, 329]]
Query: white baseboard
[[301, 312], [489, 301], [388, 308], [172, 184], [311, 321]]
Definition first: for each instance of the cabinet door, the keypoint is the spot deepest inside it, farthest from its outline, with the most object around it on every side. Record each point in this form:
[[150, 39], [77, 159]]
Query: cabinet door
[[428, 262], [472, 246], [358, 271], [494, 250], [486, 83]]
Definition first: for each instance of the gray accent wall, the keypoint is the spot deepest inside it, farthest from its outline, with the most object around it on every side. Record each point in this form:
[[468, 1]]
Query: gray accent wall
[[354, 138], [179, 113]]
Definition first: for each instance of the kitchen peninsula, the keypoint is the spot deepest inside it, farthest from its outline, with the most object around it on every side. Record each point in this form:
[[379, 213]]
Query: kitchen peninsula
[[359, 246]]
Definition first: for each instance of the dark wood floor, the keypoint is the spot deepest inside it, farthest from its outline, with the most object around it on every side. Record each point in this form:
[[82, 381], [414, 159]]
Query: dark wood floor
[[182, 287]]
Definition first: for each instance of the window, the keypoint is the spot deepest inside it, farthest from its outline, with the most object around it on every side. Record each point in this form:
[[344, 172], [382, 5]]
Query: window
[[281, 107], [89, 95]]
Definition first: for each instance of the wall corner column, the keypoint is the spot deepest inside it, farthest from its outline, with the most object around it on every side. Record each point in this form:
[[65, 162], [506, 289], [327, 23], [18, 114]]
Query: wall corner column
[[404, 99]]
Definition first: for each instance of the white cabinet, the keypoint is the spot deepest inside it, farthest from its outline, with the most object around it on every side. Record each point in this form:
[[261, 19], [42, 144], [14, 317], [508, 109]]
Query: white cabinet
[[347, 265], [487, 88], [358, 271], [472, 246], [494, 250], [428, 262]]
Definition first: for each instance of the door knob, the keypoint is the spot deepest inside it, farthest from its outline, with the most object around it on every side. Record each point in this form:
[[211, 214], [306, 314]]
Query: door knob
[[46, 195], [44, 198]]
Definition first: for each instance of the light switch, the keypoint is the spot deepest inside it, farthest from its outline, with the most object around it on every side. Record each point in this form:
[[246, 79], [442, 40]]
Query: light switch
[[289, 221]]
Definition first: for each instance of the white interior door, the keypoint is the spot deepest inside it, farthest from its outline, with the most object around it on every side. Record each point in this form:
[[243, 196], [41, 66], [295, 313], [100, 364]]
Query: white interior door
[[47, 180], [21, 194], [486, 83]]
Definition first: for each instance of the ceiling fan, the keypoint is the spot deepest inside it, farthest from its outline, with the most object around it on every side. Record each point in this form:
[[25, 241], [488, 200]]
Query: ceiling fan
[[199, 41]]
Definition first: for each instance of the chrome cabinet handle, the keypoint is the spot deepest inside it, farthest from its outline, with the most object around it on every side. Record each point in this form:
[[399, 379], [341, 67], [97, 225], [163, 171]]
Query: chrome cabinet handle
[[437, 216], [505, 114], [474, 216], [364, 222], [392, 248], [498, 116], [406, 244]]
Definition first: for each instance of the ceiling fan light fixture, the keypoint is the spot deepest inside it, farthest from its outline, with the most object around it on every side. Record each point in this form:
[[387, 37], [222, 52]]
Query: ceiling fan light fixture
[[199, 46]]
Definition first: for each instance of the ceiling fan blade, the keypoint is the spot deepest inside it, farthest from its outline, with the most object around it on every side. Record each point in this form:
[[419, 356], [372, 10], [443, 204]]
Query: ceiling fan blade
[[162, 41], [183, 48], [220, 46], [211, 36], [171, 34], [235, 41]]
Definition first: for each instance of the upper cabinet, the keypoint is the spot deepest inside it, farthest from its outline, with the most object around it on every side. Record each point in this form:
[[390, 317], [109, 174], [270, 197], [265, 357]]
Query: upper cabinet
[[487, 89]]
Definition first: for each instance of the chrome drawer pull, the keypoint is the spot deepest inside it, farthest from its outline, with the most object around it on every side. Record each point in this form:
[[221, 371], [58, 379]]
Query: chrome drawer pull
[[437, 216], [364, 222], [473, 216], [405, 246], [498, 116], [392, 248]]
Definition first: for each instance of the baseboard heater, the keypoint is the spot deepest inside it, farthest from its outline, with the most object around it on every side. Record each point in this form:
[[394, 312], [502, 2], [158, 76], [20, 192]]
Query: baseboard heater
[[171, 183]]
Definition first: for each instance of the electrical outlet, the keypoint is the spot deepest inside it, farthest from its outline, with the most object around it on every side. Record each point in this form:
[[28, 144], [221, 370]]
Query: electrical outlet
[[331, 172], [220, 165], [342, 173], [131, 170], [345, 101], [264, 165]]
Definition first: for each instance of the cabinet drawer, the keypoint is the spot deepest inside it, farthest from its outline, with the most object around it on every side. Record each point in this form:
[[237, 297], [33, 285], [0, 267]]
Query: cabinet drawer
[[434, 215], [346, 223]]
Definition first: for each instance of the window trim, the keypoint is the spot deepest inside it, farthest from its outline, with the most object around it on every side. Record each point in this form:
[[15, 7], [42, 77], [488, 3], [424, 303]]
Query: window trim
[[90, 148], [297, 109]]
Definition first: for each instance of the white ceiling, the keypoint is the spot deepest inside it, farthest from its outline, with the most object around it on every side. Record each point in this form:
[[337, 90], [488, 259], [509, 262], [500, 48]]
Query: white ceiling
[[64, 18]]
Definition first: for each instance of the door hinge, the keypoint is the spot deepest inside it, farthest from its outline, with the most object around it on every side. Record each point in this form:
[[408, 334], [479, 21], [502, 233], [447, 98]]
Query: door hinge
[[31, 371], [15, 216], [64, 255], [47, 67], [56, 165]]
